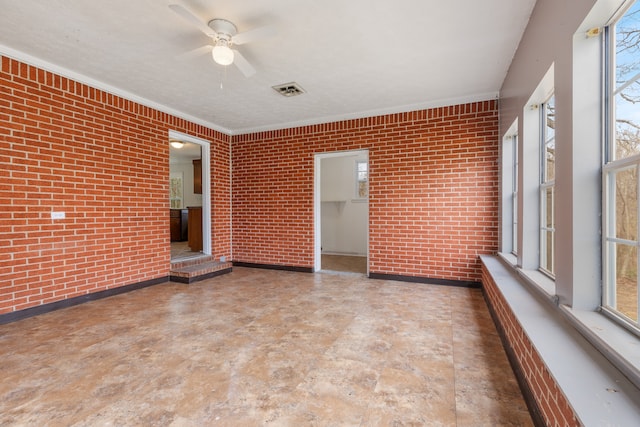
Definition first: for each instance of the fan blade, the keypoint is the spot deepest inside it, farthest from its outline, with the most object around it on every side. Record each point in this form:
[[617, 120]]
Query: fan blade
[[191, 17], [242, 64], [195, 52], [251, 35]]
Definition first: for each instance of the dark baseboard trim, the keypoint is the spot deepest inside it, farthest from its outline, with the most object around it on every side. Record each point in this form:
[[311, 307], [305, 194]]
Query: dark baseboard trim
[[427, 280], [57, 305], [527, 394], [188, 280], [273, 267]]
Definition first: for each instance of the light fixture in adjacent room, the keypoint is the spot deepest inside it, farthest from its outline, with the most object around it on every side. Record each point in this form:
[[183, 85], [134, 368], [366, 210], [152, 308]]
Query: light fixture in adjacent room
[[176, 143]]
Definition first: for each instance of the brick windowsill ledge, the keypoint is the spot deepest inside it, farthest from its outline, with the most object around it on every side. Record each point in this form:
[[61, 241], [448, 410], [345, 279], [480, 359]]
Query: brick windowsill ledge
[[571, 382]]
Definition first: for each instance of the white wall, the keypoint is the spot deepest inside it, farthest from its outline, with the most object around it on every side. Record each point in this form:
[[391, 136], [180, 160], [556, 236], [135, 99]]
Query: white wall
[[344, 219], [186, 167]]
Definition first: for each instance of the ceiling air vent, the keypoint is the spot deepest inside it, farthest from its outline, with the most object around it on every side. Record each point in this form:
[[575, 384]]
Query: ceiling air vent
[[289, 89]]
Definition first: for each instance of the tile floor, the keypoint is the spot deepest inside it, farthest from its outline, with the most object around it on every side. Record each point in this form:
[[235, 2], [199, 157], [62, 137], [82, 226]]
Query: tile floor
[[181, 250], [345, 263], [259, 347]]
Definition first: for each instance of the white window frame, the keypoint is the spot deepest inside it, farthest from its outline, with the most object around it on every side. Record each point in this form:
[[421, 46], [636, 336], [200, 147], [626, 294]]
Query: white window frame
[[359, 196], [514, 195], [577, 290], [611, 168], [609, 294], [509, 193], [546, 185]]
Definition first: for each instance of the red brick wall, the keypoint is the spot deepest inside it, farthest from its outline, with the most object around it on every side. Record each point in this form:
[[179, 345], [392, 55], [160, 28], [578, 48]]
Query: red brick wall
[[551, 401], [220, 173], [433, 190], [104, 161]]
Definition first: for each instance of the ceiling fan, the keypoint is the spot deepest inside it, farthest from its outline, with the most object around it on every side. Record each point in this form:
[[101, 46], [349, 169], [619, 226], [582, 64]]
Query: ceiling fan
[[224, 35]]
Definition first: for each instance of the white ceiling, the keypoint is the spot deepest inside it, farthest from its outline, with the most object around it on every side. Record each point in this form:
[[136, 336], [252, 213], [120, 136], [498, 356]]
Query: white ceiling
[[354, 58], [186, 153]]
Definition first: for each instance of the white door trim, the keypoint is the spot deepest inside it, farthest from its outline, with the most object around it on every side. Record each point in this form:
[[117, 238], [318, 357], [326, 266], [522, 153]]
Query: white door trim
[[206, 185], [317, 203]]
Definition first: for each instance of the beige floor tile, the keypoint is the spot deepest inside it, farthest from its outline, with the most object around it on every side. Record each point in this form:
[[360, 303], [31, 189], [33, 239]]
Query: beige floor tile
[[259, 347]]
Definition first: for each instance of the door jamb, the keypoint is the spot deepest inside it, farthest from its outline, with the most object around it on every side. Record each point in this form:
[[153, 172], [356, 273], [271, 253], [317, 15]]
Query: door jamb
[[206, 185], [317, 201]]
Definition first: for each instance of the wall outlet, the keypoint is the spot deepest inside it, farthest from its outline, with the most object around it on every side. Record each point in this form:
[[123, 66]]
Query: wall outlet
[[57, 215], [223, 259]]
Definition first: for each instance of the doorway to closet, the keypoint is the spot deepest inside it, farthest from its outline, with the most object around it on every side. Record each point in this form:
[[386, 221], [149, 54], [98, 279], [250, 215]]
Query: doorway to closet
[[342, 211]]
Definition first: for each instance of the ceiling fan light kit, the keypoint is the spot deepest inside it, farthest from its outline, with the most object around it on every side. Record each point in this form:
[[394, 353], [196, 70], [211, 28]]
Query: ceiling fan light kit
[[222, 54], [225, 36], [224, 31]]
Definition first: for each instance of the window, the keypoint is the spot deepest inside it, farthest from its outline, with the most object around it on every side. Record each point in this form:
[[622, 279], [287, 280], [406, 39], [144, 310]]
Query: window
[[362, 179], [175, 190], [509, 220], [620, 172], [547, 186], [514, 197]]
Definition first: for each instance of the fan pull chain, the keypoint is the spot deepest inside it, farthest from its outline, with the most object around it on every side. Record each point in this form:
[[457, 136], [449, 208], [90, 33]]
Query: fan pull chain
[[223, 76]]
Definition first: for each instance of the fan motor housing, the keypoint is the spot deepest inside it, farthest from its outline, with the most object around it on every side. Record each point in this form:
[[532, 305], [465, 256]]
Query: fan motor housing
[[224, 29]]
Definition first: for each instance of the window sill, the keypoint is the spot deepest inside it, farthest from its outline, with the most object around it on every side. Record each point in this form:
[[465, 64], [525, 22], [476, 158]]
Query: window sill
[[539, 282], [614, 341], [597, 380]]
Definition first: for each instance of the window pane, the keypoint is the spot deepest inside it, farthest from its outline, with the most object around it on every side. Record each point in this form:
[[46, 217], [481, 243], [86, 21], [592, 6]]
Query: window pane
[[362, 189], [551, 120], [627, 124], [548, 152], [175, 192], [550, 159], [547, 230], [627, 281], [626, 204], [548, 255], [548, 205], [514, 231], [628, 45], [547, 251], [620, 192], [550, 140], [362, 177], [514, 189], [627, 88]]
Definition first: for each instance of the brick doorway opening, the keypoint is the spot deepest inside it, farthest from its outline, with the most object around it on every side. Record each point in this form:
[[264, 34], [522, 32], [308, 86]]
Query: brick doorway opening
[[195, 207], [341, 211]]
